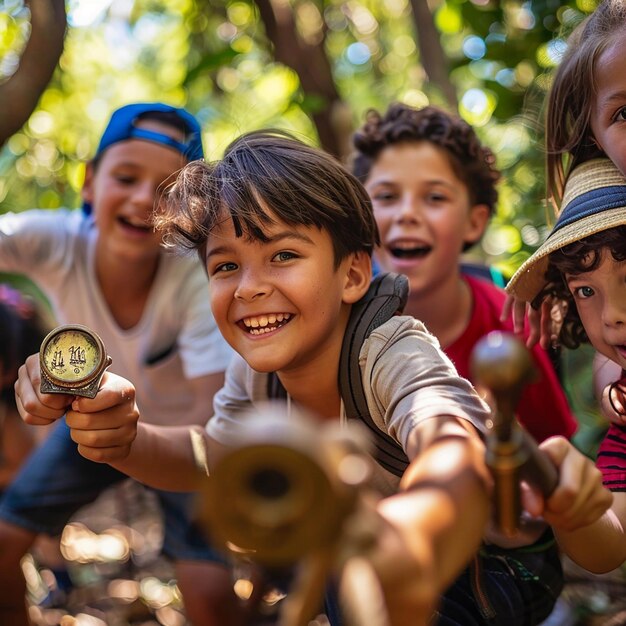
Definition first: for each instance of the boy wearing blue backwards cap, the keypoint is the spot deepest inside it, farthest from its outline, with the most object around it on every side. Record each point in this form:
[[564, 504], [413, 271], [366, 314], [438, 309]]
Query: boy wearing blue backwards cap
[[106, 268]]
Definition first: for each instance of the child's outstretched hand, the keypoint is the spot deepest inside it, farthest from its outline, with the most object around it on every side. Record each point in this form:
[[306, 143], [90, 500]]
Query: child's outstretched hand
[[103, 427], [579, 498], [544, 324]]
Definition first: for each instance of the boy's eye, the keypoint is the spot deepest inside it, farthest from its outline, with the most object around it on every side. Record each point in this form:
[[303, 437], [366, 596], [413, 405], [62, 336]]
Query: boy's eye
[[126, 180], [583, 292], [223, 267], [384, 196], [283, 255], [436, 197]]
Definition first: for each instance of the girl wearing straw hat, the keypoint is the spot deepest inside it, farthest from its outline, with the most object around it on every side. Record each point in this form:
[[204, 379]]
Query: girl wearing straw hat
[[585, 119], [583, 264]]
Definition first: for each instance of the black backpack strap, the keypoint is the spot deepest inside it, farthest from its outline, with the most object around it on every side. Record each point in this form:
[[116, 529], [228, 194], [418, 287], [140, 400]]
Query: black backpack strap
[[275, 389], [386, 297]]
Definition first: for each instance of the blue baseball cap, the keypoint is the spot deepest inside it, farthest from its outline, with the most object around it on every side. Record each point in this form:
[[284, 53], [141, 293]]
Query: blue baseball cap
[[122, 126]]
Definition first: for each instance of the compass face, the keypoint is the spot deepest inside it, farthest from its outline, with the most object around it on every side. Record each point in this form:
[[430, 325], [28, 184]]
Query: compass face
[[71, 356]]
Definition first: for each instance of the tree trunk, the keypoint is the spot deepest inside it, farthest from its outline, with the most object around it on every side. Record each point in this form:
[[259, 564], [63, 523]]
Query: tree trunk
[[21, 92], [313, 68], [433, 58]]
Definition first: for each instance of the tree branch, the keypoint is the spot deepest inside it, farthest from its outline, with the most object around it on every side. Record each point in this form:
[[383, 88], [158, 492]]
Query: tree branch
[[433, 58], [311, 64], [21, 92]]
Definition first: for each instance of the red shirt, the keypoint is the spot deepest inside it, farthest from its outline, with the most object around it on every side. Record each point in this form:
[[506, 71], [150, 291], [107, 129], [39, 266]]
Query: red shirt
[[543, 408]]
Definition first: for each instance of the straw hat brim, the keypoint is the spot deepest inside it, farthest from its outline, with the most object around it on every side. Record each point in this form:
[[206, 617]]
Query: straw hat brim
[[594, 200], [530, 278]]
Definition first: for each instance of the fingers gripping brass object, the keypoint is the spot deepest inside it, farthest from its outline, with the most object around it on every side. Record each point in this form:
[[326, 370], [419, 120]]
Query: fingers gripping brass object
[[503, 365], [72, 359]]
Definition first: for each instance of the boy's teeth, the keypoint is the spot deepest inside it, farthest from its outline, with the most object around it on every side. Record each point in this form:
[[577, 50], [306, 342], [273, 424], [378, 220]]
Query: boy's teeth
[[404, 251], [262, 321]]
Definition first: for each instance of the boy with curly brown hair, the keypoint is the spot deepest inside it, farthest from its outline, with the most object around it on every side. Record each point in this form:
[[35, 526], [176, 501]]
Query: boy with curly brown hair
[[433, 190]]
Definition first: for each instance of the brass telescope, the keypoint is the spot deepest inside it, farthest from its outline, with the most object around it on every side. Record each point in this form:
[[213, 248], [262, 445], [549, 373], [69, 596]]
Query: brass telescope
[[290, 495]]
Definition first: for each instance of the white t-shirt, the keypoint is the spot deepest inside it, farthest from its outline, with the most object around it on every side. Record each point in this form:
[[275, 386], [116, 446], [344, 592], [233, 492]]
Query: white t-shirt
[[175, 340]]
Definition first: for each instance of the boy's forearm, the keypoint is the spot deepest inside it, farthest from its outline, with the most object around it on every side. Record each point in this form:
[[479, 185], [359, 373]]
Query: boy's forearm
[[162, 457], [599, 547], [446, 502]]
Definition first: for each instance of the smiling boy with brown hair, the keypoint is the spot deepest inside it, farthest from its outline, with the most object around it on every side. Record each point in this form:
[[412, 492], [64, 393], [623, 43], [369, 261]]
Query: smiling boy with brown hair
[[106, 268]]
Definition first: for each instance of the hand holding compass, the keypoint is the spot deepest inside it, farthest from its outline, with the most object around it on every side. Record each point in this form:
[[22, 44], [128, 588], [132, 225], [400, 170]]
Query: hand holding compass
[[72, 359]]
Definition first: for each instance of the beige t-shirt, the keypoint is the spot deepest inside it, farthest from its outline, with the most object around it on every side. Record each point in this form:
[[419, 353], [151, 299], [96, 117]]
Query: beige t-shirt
[[406, 376]]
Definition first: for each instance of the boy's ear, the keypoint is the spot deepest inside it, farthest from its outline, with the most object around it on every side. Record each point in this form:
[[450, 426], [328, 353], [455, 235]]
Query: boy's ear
[[476, 223], [357, 277], [86, 193]]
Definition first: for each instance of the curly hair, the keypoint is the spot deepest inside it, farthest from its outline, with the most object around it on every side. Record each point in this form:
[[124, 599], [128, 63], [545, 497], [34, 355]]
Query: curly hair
[[472, 163], [270, 171], [578, 258]]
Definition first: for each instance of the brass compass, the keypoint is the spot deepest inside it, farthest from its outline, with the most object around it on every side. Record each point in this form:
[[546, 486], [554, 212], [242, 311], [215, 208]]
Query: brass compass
[[73, 360]]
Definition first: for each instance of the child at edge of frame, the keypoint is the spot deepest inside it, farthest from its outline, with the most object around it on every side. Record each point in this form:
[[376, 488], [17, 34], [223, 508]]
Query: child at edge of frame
[[23, 326], [583, 263], [584, 109]]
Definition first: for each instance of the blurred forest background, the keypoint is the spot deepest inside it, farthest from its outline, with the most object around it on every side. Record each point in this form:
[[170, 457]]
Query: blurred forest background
[[311, 66]]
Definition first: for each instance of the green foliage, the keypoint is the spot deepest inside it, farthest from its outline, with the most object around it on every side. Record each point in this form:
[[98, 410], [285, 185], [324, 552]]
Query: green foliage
[[214, 57]]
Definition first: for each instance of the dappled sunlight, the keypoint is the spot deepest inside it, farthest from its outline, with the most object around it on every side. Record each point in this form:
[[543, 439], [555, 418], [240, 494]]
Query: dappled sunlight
[[80, 544], [114, 574], [499, 61]]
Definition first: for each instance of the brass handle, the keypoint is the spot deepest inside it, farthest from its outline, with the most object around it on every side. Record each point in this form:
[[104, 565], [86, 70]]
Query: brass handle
[[503, 365], [287, 494]]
